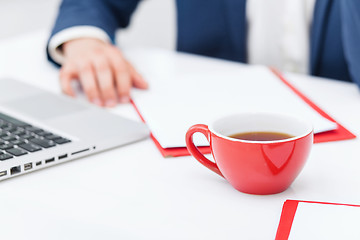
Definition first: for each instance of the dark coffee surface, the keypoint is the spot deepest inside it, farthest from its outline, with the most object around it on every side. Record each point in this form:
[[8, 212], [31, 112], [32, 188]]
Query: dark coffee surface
[[261, 136]]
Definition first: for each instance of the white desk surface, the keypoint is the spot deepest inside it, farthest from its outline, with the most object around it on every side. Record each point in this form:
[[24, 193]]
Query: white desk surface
[[134, 193]]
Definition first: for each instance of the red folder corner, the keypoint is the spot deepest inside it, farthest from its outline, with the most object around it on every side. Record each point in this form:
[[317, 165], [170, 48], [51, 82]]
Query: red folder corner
[[341, 133], [287, 217], [338, 134]]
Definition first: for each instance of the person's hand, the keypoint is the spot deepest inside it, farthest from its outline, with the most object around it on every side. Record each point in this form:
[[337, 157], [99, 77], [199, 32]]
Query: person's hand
[[104, 74]]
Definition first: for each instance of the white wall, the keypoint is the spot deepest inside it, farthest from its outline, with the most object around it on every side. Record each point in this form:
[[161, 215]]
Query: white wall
[[153, 23], [24, 16]]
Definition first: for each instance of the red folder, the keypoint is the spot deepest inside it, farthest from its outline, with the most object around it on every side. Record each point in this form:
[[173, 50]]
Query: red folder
[[340, 133], [288, 214]]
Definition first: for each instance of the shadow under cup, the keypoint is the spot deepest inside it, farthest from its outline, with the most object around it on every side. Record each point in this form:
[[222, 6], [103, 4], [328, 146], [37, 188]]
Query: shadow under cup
[[255, 167]]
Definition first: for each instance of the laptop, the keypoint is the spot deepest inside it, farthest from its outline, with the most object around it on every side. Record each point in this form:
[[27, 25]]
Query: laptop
[[39, 129]]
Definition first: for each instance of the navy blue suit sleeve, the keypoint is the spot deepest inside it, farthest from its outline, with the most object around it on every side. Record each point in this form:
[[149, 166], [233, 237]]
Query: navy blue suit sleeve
[[350, 14], [109, 15]]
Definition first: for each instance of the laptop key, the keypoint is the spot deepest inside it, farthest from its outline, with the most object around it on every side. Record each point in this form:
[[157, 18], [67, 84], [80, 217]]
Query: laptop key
[[6, 146], [10, 128], [38, 132], [3, 134], [9, 138], [43, 133], [5, 156], [23, 133], [27, 136], [30, 147], [33, 129], [61, 140], [17, 141], [42, 142], [52, 137], [16, 151], [18, 131]]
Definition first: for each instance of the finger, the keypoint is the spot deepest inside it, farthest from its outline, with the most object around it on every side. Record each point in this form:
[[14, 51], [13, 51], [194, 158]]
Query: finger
[[122, 75], [123, 84], [105, 81], [67, 74], [88, 83], [137, 79]]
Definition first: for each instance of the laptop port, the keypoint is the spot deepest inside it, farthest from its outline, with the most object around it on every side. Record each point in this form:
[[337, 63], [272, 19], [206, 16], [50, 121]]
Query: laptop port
[[81, 151], [50, 160], [38, 163], [3, 173], [63, 156], [15, 170], [28, 166]]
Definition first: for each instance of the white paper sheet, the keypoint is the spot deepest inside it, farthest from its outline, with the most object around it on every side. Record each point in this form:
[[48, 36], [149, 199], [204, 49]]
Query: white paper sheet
[[325, 221], [187, 89]]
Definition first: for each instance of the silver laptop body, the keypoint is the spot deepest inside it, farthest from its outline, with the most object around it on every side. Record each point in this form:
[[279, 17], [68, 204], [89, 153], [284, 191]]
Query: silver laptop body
[[55, 129]]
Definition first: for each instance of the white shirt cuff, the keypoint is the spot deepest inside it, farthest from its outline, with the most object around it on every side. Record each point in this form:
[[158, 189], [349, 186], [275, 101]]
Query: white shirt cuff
[[73, 33]]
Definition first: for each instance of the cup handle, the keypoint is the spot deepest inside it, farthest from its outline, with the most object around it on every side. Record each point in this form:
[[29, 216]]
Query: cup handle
[[201, 128]]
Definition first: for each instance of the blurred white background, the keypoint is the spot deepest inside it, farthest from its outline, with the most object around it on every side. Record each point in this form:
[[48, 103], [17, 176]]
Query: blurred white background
[[153, 24]]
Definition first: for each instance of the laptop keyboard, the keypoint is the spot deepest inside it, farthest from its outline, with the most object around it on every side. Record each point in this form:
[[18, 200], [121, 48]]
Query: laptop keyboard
[[18, 138]]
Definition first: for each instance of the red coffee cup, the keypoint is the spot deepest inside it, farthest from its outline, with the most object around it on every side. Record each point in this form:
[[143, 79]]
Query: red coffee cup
[[255, 167]]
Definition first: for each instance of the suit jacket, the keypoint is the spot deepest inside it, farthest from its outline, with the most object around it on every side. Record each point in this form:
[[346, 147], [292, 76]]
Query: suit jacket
[[218, 28]]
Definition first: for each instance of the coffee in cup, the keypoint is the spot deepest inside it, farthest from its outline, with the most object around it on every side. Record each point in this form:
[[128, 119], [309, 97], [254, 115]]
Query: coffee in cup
[[261, 136]]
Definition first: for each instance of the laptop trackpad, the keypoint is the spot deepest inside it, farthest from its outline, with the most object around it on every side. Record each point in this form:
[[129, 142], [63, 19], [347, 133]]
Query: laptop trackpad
[[45, 106]]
